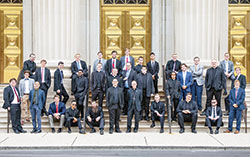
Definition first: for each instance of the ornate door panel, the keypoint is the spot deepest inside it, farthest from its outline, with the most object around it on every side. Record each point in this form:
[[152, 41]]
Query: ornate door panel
[[126, 25]]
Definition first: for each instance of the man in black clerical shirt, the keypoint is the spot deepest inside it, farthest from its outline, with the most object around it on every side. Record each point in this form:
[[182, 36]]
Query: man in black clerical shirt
[[138, 67], [187, 110], [29, 65]]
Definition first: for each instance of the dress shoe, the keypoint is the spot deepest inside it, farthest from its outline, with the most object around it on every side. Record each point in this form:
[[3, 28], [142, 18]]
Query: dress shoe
[[216, 131], [181, 131], [53, 130], [59, 130], [128, 131], [110, 131], [16, 131], [22, 131], [146, 118], [236, 132], [39, 131], [118, 131], [27, 120], [92, 130], [46, 113], [81, 131], [135, 130], [69, 130], [162, 130], [211, 131], [200, 109], [225, 93], [101, 132], [227, 131], [152, 125], [194, 131], [226, 114], [33, 131], [82, 119], [203, 113]]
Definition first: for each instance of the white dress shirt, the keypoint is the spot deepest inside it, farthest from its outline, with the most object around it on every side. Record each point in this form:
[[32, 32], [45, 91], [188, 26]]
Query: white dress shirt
[[15, 97], [27, 87]]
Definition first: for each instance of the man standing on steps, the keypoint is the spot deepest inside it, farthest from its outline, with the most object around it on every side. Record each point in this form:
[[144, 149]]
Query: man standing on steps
[[138, 67], [114, 104], [58, 83], [153, 69], [172, 65], [127, 59], [12, 101], [113, 63], [43, 76], [99, 60], [29, 65], [134, 106], [114, 75]]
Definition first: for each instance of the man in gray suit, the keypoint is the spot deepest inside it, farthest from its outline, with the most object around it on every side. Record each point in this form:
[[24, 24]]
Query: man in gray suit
[[99, 60], [127, 58], [228, 68], [25, 86], [198, 81]]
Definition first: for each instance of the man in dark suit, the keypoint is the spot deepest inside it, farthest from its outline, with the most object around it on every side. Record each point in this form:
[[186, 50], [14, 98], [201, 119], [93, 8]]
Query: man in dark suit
[[80, 91], [138, 67], [43, 76], [56, 112], [110, 78], [29, 65], [99, 60], [158, 112], [173, 65], [114, 104], [134, 106], [95, 117], [214, 82], [98, 80], [113, 63], [242, 79], [153, 68], [128, 76], [75, 66], [58, 83], [236, 98], [127, 58], [187, 110], [214, 116], [12, 101], [146, 84], [186, 79], [72, 117], [173, 90], [37, 98]]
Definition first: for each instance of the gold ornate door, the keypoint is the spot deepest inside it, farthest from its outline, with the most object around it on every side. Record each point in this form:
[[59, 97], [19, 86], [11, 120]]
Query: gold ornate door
[[126, 24]]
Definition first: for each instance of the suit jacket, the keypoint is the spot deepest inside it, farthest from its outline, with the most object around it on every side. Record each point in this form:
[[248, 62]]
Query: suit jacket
[[29, 65], [103, 61], [61, 108], [41, 98], [74, 68], [138, 99], [153, 70], [93, 115], [132, 77], [193, 108], [160, 107], [22, 86], [170, 66], [188, 80], [71, 114], [219, 79], [209, 111], [242, 79], [173, 89], [239, 100], [230, 66], [132, 61], [150, 84], [94, 80], [47, 79], [108, 67], [110, 97], [197, 74], [137, 68], [57, 80], [8, 96], [111, 78], [82, 86]]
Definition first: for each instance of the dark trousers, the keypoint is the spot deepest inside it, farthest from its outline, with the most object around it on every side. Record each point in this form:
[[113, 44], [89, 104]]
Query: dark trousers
[[187, 117], [114, 117], [79, 103], [183, 94], [155, 81], [216, 123], [45, 89], [97, 94], [212, 92], [125, 107], [227, 103], [145, 104], [69, 122], [36, 117], [132, 112], [232, 77], [63, 93], [174, 103], [15, 113], [94, 123], [73, 82], [154, 118], [197, 94], [234, 113]]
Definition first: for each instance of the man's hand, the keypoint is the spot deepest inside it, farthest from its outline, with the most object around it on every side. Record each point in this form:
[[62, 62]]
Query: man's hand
[[125, 78], [58, 91], [184, 87], [235, 105], [98, 118], [75, 120], [153, 77], [184, 111], [9, 108], [168, 97], [188, 112], [89, 119]]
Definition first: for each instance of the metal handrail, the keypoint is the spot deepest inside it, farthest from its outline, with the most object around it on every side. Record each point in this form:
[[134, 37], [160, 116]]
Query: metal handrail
[[86, 101], [245, 117]]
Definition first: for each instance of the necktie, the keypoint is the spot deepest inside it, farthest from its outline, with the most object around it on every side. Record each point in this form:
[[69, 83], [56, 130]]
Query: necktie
[[42, 74], [113, 64], [174, 66], [16, 94], [61, 76], [100, 61], [78, 65], [56, 108], [26, 79], [236, 93], [126, 62], [213, 112], [153, 64]]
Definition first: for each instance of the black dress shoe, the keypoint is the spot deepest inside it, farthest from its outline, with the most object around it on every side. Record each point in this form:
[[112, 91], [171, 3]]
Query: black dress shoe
[[39, 131], [226, 114], [16, 131], [110, 131], [69, 130], [162, 130], [118, 131], [181, 131], [194, 131], [135, 130], [93, 130], [22, 131], [53, 130], [216, 131], [152, 125], [81, 131], [33, 131], [59, 130], [203, 113], [101, 132], [146, 118], [211, 131], [128, 131], [225, 93]]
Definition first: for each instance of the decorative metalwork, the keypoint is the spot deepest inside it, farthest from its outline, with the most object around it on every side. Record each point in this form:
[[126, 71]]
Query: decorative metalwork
[[119, 2], [11, 1], [239, 1]]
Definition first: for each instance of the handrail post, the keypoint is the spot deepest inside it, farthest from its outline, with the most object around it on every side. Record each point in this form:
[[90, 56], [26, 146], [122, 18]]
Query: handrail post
[[86, 101]]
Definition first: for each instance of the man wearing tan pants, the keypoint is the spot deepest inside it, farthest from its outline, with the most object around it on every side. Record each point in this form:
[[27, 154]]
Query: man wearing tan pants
[[25, 86]]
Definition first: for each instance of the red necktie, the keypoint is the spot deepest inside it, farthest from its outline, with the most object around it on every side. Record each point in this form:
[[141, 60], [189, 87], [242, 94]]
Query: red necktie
[[56, 108], [126, 62], [42, 74], [16, 94], [113, 64]]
